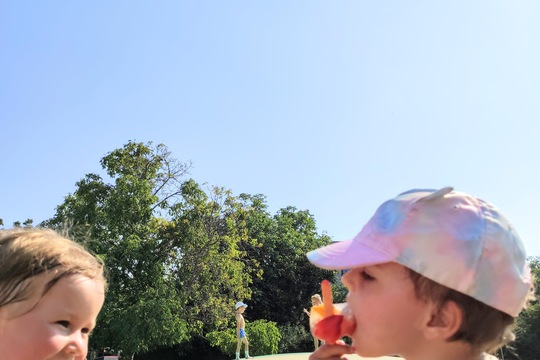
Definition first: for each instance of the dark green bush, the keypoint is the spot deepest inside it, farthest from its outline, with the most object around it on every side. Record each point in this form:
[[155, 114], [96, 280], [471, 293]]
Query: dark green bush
[[263, 336], [224, 340], [294, 338]]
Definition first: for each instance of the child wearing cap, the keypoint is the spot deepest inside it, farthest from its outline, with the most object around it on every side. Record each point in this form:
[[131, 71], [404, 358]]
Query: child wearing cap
[[434, 275], [241, 337]]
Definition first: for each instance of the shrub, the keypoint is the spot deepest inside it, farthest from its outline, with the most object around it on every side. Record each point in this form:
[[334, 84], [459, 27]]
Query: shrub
[[295, 338], [263, 336]]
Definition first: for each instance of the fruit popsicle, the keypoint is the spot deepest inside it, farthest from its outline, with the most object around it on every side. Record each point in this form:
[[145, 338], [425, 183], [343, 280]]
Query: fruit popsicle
[[327, 321]]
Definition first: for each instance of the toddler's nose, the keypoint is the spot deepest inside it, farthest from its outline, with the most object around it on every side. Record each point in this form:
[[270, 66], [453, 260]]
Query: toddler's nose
[[77, 346]]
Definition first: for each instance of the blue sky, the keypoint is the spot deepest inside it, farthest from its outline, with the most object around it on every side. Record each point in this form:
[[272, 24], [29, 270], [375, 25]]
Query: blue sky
[[329, 106]]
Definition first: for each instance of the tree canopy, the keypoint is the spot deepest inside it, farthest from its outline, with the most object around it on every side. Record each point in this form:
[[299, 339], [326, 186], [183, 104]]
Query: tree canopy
[[179, 255]]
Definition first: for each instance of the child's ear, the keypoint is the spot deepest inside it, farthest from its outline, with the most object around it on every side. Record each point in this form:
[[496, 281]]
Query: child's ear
[[445, 320]]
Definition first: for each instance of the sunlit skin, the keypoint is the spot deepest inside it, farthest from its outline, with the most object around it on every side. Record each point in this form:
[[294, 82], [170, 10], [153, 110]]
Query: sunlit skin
[[57, 327], [389, 317]]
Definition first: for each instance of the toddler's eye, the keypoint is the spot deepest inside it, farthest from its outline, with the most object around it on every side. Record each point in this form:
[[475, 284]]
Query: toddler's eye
[[63, 323], [86, 330], [366, 276]]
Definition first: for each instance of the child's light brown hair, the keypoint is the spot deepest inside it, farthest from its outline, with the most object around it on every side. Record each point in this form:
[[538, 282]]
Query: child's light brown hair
[[27, 253], [484, 327]]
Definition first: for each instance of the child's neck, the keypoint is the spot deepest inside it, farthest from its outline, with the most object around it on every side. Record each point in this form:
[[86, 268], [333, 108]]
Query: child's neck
[[454, 350]]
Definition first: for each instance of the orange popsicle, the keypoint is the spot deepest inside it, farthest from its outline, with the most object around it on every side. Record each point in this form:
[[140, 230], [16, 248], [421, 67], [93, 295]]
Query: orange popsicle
[[326, 321]]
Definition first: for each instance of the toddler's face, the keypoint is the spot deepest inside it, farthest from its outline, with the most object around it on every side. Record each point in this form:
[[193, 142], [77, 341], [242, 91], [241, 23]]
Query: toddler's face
[[57, 326], [388, 314]]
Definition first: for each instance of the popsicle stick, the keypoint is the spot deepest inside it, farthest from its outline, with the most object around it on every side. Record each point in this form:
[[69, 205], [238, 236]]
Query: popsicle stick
[[326, 289]]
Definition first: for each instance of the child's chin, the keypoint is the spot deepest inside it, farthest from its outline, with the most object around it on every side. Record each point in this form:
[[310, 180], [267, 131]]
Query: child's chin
[[366, 352], [362, 349]]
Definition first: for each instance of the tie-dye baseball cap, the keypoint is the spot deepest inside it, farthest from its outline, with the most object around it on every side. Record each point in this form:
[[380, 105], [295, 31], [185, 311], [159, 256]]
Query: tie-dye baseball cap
[[450, 237]]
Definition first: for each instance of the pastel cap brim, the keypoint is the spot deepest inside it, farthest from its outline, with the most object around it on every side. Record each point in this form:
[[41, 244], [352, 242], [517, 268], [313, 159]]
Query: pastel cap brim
[[347, 254]]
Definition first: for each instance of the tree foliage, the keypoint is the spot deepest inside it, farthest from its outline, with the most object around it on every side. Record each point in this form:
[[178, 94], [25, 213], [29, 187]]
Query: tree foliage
[[288, 279], [174, 263], [527, 344], [179, 255], [211, 268]]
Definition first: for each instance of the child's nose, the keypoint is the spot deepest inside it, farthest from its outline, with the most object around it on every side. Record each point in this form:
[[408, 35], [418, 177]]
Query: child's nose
[[345, 280], [77, 346]]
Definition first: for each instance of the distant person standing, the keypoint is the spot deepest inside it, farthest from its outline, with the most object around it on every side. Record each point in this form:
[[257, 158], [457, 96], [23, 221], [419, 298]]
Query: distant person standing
[[315, 300], [241, 336]]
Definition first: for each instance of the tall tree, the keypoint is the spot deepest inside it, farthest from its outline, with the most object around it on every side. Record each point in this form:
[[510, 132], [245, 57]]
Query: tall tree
[[179, 256], [288, 279], [211, 268], [121, 219]]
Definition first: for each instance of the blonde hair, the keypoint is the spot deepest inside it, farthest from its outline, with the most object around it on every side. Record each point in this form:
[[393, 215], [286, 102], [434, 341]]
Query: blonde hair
[[316, 297], [28, 253]]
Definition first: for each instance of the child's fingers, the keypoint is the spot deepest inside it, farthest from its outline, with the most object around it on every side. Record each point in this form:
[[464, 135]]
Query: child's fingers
[[332, 351]]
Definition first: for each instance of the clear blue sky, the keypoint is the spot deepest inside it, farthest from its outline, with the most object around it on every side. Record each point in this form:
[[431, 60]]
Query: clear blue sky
[[329, 106]]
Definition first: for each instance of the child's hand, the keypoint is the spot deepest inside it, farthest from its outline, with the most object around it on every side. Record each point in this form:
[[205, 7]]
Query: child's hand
[[332, 351], [307, 312]]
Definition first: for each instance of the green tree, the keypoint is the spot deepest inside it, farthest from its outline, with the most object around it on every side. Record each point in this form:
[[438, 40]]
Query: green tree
[[527, 344], [175, 263], [179, 256], [121, 219], [211, 268], [27, 224], [288, 279]]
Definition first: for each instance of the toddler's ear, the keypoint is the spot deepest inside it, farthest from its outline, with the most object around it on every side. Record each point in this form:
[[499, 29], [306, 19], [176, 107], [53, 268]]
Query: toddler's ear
[[445, 321]]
